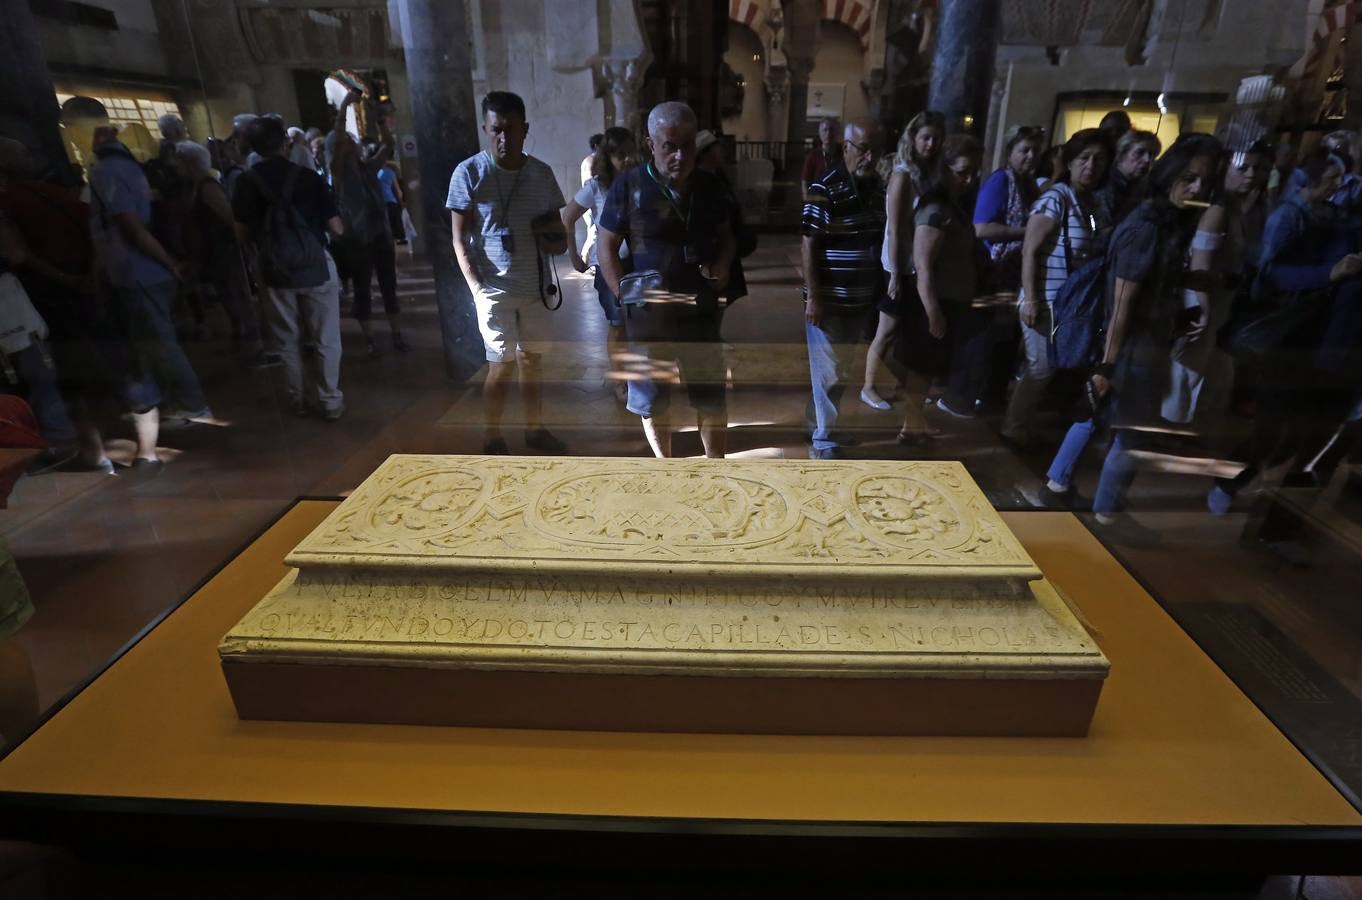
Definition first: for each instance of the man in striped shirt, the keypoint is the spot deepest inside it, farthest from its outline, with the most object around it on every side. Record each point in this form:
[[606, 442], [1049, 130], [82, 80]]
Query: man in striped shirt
[[843, 228]]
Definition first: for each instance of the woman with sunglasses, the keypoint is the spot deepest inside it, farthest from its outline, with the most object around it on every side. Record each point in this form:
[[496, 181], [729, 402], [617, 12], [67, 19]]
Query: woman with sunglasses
[[917, 164]]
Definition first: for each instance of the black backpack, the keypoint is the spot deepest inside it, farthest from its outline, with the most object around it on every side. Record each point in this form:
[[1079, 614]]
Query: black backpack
[[290, 253]]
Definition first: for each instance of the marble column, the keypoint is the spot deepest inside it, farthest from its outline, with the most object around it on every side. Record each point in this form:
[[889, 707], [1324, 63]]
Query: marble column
[[444, 113], [777, 82], [962, 66], [28, 103], [623, 80], [798, 98]]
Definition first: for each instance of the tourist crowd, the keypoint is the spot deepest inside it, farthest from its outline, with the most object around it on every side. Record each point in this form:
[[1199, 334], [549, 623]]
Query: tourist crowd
[[1098, 295]]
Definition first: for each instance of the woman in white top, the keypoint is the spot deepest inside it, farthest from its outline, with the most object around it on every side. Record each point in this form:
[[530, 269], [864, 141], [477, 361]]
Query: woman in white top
[[917, 164], [1067, 227], [617, 152]]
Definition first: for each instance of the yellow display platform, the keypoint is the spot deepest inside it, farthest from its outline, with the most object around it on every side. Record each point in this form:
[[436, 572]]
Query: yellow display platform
[[1174, 742]]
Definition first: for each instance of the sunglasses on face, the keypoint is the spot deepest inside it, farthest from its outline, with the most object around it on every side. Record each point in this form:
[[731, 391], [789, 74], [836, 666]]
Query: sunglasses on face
[[863, 149]]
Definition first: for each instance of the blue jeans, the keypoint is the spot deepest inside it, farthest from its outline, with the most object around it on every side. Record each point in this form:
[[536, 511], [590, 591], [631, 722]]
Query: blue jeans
[[1118, 471], [832, 348], [147, 313], [1070, 451]]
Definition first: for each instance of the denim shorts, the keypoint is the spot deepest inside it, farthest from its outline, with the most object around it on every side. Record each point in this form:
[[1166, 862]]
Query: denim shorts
[[661, 332], [614, 313]]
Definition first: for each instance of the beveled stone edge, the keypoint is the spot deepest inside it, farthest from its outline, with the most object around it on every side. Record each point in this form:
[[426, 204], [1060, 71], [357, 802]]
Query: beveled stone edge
[[1089, 664], [1025, 568], [726, 664], [815, 570]]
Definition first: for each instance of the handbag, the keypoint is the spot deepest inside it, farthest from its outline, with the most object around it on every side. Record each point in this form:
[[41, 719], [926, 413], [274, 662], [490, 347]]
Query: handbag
[[638, 288]]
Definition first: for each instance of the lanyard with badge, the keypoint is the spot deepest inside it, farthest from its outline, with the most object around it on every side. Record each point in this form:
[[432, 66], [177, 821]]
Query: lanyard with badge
[[690, 253], [508, 236], [672, 199]]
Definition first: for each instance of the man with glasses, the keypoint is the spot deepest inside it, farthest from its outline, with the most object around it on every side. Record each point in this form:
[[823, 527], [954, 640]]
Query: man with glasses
[[843, 228]]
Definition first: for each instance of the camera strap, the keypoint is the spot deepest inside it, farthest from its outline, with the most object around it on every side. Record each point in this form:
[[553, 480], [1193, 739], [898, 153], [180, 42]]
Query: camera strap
[[554, 287]]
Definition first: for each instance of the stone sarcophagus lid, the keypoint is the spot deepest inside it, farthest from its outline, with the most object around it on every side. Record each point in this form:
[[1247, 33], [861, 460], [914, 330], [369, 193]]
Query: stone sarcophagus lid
[[841, 597]]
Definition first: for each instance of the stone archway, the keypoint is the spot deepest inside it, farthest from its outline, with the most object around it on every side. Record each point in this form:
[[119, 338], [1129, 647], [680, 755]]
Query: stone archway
[[855, 14]]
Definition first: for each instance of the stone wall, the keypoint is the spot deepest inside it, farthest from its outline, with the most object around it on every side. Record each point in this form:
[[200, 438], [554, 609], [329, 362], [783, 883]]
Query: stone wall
[[518, 37]]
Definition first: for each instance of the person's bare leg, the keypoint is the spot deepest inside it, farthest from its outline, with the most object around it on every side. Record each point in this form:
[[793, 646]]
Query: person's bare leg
[[616, 342], [146, 428], [532, 388], [366, 328], [659, 434], [494, 390], [875, 355], [713, 434]]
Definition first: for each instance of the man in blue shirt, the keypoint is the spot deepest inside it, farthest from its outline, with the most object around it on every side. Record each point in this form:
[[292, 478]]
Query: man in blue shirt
[[144, 278], [676, 221]]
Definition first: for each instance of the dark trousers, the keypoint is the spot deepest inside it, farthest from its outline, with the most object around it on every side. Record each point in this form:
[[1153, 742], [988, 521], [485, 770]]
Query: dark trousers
[[972, 345], [38, 382], [363, 261], [148, 316]]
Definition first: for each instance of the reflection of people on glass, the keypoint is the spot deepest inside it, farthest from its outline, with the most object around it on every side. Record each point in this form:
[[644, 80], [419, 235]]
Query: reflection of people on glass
[[825, 155], [499, 201], [615, 152], [843, 227], [916, 164], [675, 220], [367, 245]]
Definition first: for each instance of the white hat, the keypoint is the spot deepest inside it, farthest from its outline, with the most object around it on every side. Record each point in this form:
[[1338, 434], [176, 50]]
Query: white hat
[[704, 140]]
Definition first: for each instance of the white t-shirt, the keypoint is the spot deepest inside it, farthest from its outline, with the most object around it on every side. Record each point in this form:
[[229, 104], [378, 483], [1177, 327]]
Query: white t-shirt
[[502, 203], [592, 198], [1084, 234]]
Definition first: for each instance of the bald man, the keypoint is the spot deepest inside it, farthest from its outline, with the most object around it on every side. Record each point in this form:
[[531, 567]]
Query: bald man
[[843, 229]]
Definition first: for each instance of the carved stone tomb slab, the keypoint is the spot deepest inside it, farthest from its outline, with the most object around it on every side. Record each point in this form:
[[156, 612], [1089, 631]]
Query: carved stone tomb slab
[[711, 595]]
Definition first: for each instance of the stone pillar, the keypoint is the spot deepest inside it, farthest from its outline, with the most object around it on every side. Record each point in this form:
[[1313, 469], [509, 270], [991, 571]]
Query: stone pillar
[[443, 111], [623, 80], [777, 81], [962, 66], [798, 97], [28, 103]]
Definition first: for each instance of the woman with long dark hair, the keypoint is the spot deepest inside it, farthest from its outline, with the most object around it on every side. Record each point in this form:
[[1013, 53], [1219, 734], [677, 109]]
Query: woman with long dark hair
[[1067, 227], [917, 164], [1146, 276]]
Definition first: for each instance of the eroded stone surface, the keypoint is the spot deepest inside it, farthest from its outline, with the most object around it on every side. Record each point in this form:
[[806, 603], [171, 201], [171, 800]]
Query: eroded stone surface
[[636, 514]]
